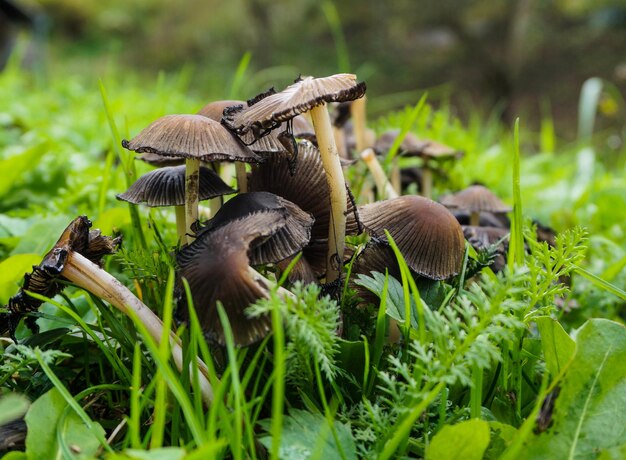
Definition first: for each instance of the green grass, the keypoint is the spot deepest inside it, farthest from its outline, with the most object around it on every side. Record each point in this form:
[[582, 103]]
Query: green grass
[[473, 352]]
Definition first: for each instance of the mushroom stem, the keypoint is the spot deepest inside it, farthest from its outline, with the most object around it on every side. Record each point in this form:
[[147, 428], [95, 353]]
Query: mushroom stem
[[427, 181], [385, 189], [242, 178], [337, 188], [475, 218], [357, 110], [269, 284], [89, 276], [396, 180], [180, 224], [192, 190]]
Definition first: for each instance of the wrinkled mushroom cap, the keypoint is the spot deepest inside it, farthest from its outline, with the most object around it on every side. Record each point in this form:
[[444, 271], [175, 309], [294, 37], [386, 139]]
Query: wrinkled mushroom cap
[[427, 234], [191, 136], [268, 110], [284, 242], [166, 187], [216, 266], [476, 198], [43, 279], [308, 189]]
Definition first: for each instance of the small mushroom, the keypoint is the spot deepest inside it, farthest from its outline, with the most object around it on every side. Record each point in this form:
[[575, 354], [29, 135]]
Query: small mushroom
[[427, 234], [475, 199], [411, 146], [196, 138], [309, 94], [217, 267], [166, 187]]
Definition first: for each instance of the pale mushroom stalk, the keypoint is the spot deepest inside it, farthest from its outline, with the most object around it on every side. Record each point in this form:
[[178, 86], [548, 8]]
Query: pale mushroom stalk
[[192, 187], [87, 275], [337, 187], [357, 111], [181, 228], [427, 181], [242, 178], [383, 185], [475, 218], [269, 284], [396, 178]]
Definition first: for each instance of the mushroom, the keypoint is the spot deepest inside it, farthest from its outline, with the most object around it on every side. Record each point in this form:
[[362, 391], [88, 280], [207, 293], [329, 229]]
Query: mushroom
[[385, 189], [75, 257], [309, 94], [485, 238], [475, 199], [166, 187], [195, 138], [284, 243], [427, 234], [217, 267], [411, 146], [308, 189]]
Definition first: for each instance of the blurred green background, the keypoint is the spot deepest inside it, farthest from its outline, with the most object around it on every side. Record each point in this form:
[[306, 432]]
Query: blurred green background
[[506, 58]]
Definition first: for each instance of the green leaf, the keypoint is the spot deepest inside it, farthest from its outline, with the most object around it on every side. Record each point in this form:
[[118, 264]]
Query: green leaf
[[307, 435], [48, 423], [14, 167], [501, 436], [15, 455], [12, 407], [558, 347], [590, 411], [12, 270], [41, 235], [467, 440]]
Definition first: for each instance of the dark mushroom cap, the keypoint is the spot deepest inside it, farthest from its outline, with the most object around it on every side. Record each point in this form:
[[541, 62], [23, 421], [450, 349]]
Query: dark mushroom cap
[[268, 110], [159, 160], [43, 279], [427, 234], [483, 238], [166, 187], [475, 198], [308, 189], [191, 136], [284, 242], [216, 266]]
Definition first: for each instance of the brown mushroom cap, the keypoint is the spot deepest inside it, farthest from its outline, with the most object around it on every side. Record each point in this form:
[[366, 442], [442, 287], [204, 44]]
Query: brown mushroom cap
[[216, 266], [43, 279], [427, 234], [166, 187], [476, 198], [160, 161], [191, 136], [268, 110], [284, 242], [308, 189]]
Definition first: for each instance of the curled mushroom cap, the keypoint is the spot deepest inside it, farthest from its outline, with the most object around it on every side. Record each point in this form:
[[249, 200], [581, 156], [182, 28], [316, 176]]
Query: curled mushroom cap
[[44, 278], [216, 266], [166, 187], [271, 109], [427, 234], [475, 198], [193, 137], [285, 242], [308, 189]]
